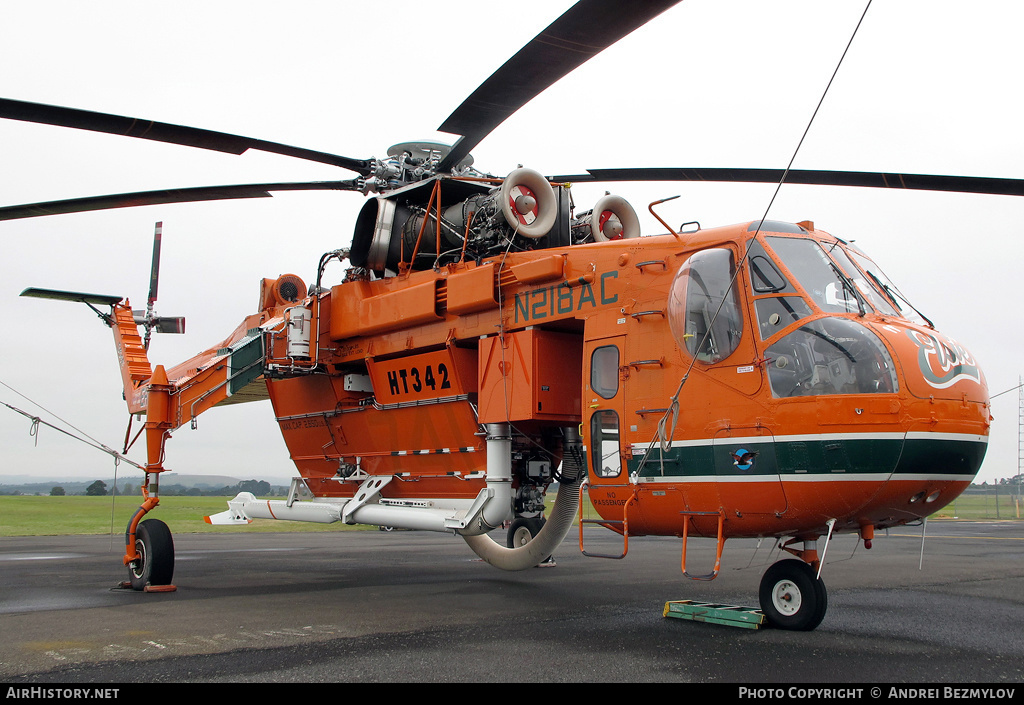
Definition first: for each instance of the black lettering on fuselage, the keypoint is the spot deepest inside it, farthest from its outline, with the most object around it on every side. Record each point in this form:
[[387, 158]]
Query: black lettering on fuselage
[[561, 299]]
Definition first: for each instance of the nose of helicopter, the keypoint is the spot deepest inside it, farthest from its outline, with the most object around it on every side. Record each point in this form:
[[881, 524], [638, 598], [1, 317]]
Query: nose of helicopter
[[944, 406], [935, 366]]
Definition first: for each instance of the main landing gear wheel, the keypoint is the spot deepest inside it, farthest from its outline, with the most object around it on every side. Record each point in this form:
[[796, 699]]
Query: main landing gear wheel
[[792, 597], [523, 531], [155, 564]]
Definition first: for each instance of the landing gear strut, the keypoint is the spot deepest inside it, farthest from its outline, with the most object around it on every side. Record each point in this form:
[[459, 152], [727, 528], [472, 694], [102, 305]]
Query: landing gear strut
[[792, 596]]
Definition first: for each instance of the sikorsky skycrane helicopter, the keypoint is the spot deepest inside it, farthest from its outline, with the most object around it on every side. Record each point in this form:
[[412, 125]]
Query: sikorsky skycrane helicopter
[[764, 379]]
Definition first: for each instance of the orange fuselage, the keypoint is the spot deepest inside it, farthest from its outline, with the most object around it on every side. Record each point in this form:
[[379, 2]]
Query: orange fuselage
[[803, 401]]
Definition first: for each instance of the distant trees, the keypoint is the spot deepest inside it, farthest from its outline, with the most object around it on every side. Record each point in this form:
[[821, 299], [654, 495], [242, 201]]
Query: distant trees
[[256, 487], [101, 488], [260, 488], [96, 489]]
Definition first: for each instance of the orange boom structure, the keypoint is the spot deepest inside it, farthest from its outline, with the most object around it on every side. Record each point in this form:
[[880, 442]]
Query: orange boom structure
[[489, 344]]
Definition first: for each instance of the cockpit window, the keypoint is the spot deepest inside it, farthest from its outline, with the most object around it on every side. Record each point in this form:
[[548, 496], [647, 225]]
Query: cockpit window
[[871, 293], [704, 315], [902, 306], [765, 277], [830, 356], [820, 277], [777, 312]]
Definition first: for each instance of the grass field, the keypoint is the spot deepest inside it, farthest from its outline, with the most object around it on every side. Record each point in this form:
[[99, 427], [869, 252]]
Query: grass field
[[60, 516], [975, 506]]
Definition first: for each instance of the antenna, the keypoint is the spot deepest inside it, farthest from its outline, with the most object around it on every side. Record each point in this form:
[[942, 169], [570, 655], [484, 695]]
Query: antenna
[[1020, 444]]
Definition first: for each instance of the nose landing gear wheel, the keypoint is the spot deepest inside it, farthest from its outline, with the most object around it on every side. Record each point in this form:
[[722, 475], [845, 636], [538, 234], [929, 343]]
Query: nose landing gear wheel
[[792, 597], [155, 564]]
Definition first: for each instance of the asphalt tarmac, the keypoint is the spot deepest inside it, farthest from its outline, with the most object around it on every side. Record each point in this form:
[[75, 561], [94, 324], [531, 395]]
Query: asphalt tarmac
[[414, 607]]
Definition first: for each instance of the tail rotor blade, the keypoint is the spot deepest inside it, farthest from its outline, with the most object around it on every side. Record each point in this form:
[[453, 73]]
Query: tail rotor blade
[[169, 324], [154, 272]]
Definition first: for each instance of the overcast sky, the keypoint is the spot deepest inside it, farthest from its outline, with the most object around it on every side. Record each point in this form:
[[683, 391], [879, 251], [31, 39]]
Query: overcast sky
[[928, 87]]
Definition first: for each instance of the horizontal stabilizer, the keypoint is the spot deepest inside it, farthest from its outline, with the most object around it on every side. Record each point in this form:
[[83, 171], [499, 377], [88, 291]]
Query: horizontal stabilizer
[[78, 296]]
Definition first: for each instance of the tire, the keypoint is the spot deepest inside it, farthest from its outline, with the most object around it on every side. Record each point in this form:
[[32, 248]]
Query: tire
[[792, 597], [522, 531], [155, 565]]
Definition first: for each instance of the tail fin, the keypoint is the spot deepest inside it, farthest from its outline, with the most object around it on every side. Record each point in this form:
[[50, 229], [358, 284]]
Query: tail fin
[[131, 356]]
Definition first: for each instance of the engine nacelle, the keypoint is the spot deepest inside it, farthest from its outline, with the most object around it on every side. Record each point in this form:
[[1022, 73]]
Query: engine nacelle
[[477, 220]]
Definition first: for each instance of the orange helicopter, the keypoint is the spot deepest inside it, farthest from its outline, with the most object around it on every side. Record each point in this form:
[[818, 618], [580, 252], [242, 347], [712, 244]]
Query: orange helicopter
[[489, 342]]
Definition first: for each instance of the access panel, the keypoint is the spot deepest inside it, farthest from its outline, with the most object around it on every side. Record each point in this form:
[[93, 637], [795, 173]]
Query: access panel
[[531, 374]]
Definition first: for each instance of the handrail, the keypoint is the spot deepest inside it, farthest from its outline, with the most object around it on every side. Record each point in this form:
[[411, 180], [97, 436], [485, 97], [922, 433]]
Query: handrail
[[607, 524]]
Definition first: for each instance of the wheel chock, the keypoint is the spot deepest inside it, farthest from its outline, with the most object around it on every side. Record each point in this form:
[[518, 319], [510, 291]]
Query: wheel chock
[[160, 588], [126, 585], [728, 615]]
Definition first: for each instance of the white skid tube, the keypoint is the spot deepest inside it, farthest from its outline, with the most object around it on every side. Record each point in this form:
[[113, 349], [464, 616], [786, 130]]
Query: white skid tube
[[491, 507], [245, 507], [466, 518]]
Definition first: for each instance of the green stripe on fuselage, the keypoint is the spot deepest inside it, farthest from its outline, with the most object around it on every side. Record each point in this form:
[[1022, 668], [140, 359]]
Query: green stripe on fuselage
[[829, 454]]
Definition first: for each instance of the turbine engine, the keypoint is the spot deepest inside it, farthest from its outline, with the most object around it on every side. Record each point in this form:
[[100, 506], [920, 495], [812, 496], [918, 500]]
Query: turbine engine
[[478, 220]]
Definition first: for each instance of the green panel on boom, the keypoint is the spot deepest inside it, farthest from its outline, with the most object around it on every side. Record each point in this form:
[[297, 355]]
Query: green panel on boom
[[245, 364]]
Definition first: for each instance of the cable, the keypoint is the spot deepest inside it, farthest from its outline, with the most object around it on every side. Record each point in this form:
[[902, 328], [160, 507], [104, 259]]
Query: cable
[[36, 421], [47, 411], [1006, 391], [672, 413]]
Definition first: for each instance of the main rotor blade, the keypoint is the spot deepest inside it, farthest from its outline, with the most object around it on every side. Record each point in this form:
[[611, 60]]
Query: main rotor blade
[[922, 182], [165, 132], [184, 195], [585, 30]]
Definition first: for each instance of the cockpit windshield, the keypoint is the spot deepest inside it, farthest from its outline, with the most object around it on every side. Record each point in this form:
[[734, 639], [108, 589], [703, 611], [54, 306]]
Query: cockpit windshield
[[901, 306], [841, 279], [872, 294], [830, 288]]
